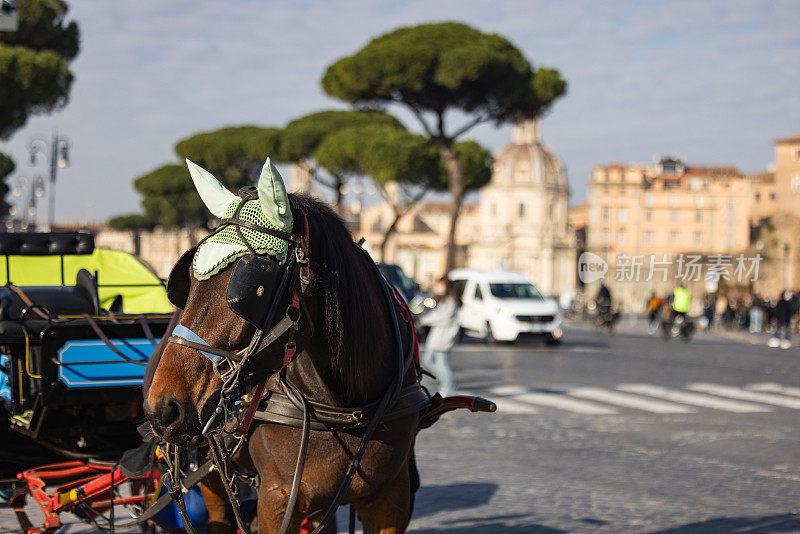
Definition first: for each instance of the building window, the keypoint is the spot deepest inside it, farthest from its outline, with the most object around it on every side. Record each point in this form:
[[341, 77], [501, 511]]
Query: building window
[[648, 237], [621, 235], [731, 242], [521, 210], [698, 216], [606, 213], [758, 197], [731, 203], [699, 201], [673, 238], [622, 214], [731, 219], [673, 215], [698, 238], [773, 196], [649, 215], [795, 184], [605, 237], [377, 226], [673, 201], [648, 200]]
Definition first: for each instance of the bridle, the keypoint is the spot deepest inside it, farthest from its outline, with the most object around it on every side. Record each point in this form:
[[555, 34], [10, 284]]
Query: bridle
[[230, 366]]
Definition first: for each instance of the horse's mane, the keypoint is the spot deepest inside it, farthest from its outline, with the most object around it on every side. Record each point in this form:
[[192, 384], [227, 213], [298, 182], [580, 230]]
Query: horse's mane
[[351, 301]]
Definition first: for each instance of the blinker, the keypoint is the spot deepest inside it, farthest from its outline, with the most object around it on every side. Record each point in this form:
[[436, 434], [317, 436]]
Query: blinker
[[253, 287]]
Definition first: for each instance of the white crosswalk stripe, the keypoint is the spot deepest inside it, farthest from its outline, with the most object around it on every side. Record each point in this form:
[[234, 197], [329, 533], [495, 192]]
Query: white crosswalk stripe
[[629, 401], [552, 400], [772, 387], [695, 399], [506, 405], [755, 396]]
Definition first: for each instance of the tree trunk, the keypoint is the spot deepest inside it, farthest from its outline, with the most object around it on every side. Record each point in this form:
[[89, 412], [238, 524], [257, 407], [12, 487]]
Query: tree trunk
[[455, 180], [339, 196], [398, 214]]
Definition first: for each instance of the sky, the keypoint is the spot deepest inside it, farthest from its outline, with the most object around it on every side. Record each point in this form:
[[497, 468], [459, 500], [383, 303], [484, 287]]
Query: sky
[[715, 82]]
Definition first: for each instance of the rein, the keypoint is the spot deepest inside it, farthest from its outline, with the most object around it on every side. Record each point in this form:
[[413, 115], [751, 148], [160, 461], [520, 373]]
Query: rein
[[228, 366]]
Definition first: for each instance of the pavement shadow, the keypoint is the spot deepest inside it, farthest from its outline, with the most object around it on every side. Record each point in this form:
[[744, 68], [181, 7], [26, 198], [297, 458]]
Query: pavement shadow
[[433, 499], [744, 525]]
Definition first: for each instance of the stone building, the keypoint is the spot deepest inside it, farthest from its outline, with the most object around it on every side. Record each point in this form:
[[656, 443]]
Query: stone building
[[419, 244], [668, 208], [522, 215]]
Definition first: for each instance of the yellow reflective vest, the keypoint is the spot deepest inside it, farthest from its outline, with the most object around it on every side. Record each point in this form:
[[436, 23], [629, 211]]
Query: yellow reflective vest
[[681, 299]]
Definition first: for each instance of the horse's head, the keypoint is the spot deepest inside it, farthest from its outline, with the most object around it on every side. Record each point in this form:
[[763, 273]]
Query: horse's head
[[234, 288]]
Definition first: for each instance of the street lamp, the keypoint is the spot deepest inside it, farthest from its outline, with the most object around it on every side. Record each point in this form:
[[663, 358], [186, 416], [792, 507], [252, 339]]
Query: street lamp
[[785, 265], [26, 192], [57, 150]]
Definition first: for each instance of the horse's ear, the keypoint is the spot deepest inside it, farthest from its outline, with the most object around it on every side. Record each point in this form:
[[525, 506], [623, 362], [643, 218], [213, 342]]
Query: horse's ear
[[273, 197], [214, 195]]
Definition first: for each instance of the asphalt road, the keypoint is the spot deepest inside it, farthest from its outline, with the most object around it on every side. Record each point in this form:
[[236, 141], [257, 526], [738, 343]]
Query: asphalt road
[[614, 433], [618, 433]]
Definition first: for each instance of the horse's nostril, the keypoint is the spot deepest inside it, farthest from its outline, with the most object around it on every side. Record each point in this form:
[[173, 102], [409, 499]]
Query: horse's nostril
[[171, 413]]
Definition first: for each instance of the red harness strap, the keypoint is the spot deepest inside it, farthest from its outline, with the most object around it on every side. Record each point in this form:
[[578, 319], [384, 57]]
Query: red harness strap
[[410, 322]]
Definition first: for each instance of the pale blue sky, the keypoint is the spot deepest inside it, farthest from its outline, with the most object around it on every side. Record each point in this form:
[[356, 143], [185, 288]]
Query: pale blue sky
[[715, 82]]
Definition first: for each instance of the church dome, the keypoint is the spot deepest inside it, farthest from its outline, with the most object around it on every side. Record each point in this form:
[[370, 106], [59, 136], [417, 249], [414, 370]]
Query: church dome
[[527, 162]]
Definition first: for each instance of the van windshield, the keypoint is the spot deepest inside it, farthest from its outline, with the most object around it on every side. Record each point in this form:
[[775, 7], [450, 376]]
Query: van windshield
[[515, 291]]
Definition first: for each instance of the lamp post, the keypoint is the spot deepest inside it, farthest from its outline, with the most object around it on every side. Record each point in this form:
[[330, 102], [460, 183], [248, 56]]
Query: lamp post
[[26, 191], [57, 150], [785, 273]]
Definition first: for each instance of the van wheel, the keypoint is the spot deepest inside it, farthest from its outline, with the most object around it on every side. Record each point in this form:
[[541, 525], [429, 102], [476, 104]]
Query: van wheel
[[489, 337], [551, 340]]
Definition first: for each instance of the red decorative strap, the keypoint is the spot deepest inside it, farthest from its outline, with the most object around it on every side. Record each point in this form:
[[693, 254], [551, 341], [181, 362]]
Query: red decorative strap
[[399, 299], [251, 410]]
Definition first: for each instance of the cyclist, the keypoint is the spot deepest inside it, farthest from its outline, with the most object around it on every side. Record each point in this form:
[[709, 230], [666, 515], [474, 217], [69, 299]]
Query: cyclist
[[681, 301]]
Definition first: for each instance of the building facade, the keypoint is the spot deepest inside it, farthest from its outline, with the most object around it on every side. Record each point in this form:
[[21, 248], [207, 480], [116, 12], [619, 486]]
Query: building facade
[[522, 215], [668, 209]]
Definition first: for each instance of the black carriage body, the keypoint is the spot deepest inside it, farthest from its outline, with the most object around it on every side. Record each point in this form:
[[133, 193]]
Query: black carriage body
[[88, 399]]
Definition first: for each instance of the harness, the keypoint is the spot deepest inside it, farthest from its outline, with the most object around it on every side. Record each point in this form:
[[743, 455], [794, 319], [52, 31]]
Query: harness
[[258, 289]]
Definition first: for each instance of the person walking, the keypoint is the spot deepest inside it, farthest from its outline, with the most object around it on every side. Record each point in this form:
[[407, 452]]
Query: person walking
[[443, 320], [756, 314], [783, 313]]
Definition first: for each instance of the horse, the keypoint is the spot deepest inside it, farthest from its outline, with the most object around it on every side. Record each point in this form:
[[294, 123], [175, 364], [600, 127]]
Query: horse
[[343, 347]]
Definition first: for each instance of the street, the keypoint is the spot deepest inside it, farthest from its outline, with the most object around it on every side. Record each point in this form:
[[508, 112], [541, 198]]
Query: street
[[613, 433], [618, 433]]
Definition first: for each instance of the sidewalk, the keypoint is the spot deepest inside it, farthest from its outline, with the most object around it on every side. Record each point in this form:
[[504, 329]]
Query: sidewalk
[[638, 323]]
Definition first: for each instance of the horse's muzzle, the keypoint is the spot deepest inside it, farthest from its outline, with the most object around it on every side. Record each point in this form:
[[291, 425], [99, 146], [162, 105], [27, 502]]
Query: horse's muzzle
[[174, 422]]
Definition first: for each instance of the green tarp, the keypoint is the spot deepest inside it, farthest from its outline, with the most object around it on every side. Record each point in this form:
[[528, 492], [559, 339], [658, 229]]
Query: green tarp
[[118, 273]]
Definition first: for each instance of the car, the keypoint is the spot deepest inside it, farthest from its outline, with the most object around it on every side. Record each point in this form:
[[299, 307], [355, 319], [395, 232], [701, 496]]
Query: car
[[418, 301], [503, 305]]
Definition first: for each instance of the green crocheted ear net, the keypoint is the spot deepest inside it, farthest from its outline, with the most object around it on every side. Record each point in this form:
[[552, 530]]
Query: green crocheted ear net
[[218, 257]]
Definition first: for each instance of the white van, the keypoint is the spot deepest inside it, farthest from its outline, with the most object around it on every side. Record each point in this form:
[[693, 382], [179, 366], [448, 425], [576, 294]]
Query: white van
[[501, 305]]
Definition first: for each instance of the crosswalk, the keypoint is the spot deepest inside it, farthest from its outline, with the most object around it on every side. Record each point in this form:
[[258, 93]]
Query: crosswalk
[[650, 398]]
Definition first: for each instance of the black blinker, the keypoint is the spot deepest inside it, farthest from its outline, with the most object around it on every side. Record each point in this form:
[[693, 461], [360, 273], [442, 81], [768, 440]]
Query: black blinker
[[253, 286]]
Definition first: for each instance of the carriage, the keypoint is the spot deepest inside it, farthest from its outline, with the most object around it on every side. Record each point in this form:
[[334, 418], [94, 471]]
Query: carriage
[[77, 327]]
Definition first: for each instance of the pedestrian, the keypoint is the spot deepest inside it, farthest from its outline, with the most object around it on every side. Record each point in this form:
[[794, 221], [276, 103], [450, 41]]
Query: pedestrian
[[756, 314], [443, 320], [709, 307], [784, 310]]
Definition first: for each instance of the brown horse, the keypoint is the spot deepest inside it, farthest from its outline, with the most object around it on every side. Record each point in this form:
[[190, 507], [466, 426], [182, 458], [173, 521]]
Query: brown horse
[[347, 358]]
